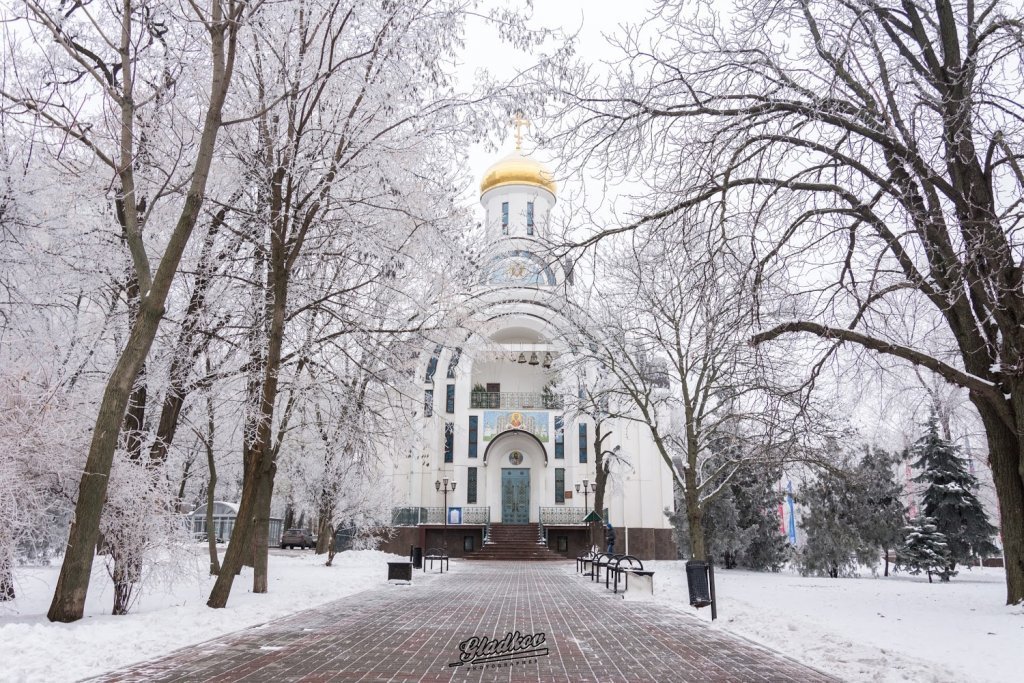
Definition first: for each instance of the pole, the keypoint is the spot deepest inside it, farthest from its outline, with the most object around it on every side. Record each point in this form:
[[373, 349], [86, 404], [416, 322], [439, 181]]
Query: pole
[[444, 541], [711, 581]]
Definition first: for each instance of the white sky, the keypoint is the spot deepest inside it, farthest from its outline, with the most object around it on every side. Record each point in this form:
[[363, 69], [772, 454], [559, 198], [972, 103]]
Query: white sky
[[592, 19]]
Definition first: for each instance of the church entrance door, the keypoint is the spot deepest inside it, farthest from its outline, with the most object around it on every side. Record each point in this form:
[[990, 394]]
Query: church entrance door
[[515, 495]]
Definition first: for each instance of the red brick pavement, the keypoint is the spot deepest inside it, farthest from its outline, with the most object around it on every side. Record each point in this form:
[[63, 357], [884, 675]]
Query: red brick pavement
[[412, 633]]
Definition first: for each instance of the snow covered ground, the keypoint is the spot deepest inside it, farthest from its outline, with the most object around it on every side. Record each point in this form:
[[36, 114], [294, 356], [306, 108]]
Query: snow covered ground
[[164, 619], [867, 629], [899, 628]]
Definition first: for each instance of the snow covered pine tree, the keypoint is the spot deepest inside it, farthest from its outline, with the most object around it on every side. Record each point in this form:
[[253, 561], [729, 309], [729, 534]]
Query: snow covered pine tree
[[925, 550]]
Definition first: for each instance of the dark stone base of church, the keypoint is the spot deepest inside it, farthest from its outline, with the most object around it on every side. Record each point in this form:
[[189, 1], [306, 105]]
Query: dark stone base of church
[[568, 541], [645, 544], [462, 540]]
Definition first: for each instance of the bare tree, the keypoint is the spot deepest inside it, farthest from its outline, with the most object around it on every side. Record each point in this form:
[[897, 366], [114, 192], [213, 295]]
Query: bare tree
[[878, 152]]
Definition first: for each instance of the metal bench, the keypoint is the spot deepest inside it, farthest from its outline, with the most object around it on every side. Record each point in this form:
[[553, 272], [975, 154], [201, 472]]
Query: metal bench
[[627, 566], [583, 561], [438, 554], [602, 561]]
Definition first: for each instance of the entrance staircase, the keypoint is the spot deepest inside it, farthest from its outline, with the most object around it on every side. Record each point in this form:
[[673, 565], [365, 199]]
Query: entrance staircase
[[514, 542]]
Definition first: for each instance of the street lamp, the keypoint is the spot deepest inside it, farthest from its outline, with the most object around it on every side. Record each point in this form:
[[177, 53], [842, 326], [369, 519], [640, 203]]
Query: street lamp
[[444, 487], [587, 487]]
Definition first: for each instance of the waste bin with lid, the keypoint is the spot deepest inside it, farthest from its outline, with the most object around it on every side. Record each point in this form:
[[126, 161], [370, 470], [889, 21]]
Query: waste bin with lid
[[697, 583], [417, 557]]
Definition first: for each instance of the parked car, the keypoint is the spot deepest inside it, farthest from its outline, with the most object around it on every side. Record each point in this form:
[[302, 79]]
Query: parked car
[[297, 537]]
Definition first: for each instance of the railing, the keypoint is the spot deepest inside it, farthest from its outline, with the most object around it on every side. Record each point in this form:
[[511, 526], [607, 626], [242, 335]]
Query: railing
[[413, 516], [507, 400], [564, 515]]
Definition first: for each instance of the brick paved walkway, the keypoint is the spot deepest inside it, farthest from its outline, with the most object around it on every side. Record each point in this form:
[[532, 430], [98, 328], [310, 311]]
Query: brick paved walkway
[[412, 633]]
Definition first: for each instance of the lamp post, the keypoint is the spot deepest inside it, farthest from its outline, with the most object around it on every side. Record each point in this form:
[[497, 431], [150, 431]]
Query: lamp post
[[444, 487], [587, 487]]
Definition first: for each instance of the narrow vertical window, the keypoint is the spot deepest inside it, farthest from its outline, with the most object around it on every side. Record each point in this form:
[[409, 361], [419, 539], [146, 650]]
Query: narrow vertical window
[[583, 442], [449, 442], [471, 487], [428, 403], [559, 437], [529, 218], [504, 218], [449, 399], [473, 422], [559, 484], [432, 365]]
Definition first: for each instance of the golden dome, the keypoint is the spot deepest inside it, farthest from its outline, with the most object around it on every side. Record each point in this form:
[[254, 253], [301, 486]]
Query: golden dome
[[516, 169]]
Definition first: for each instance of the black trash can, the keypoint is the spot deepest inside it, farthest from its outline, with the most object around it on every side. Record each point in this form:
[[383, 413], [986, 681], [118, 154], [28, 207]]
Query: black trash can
[[417, 558], [697, 583]]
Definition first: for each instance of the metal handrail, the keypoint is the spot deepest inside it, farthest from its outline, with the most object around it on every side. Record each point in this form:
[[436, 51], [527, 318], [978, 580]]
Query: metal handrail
[[414, 516], [564, 515], [507, 400]]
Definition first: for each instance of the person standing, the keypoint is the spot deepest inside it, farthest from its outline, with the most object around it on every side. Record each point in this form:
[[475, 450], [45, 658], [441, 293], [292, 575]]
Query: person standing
[[609, 538]]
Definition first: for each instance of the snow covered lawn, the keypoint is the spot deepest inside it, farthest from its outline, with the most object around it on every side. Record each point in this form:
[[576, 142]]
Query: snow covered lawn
[[898, 628], [164, 619]]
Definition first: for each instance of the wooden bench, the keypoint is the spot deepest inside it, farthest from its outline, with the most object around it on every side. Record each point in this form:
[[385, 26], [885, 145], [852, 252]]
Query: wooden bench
[[438, 554], [626, 566]]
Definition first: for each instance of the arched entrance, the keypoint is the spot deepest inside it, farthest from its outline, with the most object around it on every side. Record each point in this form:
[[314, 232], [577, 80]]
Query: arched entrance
[[516, 462]]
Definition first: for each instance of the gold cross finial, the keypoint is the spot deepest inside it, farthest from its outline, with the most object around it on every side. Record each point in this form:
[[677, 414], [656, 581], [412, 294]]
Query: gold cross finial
[[519, 121]]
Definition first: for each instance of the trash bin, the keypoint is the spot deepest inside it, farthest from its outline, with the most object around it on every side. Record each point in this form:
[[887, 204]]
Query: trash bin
[[417, 558], [697, 583]]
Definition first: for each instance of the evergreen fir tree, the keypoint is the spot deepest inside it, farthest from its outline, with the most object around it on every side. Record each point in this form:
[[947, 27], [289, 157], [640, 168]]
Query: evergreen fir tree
[[833, 540], [883, 517], [950, 497], [925, 550]]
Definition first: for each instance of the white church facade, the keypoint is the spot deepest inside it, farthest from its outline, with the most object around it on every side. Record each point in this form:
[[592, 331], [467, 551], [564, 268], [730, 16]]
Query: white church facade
[[504, 470]]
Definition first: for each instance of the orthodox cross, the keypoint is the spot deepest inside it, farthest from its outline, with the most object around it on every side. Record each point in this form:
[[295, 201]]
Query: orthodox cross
[[519, 121]]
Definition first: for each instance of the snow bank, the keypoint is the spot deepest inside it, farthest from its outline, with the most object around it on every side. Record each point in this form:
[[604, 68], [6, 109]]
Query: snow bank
[[898, 628], [164, 619]]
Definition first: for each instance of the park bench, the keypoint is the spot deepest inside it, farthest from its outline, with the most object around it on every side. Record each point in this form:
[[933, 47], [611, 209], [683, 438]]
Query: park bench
[[438, 554], [627, 566], [602, 561], [583, 561]]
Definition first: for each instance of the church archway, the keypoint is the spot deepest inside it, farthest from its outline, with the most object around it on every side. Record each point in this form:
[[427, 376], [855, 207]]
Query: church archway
[[503, 437]]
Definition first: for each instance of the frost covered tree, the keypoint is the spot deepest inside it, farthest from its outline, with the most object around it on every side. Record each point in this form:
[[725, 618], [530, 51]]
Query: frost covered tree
[[925, 550], [868, 152], [949, 499], [854, 514], [883, 515], [97, 76], [742, 524]]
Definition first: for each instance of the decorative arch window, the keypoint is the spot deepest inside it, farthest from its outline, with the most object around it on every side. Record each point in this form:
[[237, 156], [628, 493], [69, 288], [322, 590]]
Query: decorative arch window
[[529, 218]]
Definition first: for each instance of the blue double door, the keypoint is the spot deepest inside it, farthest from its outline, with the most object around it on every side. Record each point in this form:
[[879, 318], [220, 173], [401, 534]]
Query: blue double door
[[515, 495]]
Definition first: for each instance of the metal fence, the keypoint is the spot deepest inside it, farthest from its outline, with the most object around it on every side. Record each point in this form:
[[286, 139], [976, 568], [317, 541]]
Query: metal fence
[[509, 400], [413, 516], [564, 515]]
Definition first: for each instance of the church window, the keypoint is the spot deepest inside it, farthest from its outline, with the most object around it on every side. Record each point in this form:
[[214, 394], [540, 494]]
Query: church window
[[471, 487], [449, 442], [504, 218], [583, 442], [559, 484], [559, 437], [456, 356], [473, 422], [432, 365], [529, 218], [449, 399], [428, 403]]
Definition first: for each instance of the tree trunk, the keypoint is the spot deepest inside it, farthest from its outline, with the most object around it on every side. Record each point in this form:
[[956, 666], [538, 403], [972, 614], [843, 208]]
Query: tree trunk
[[1004, 450], [211, 489], [6, 584], [694, 516], [324, 531], [261, 532], [331, 549]]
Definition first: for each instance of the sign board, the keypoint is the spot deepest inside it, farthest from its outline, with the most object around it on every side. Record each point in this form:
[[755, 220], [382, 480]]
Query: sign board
[[593, 517]]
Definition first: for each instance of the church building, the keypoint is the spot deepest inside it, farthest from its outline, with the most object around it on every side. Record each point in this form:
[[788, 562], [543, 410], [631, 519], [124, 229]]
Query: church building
[[504, 471]]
